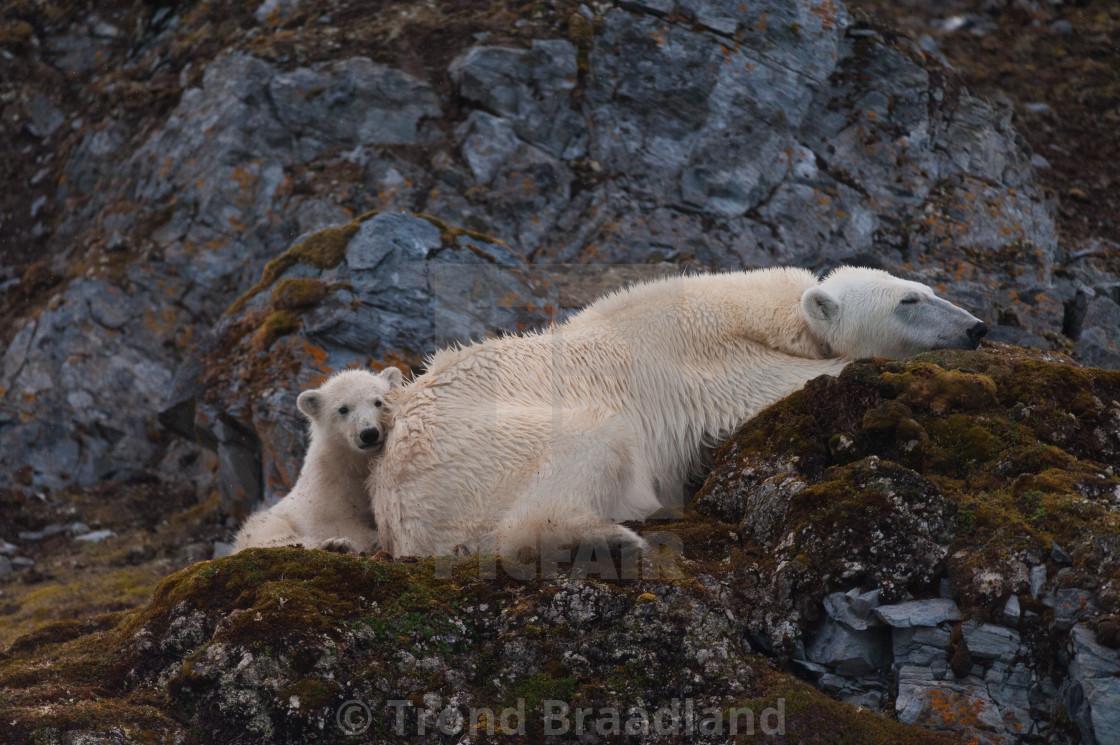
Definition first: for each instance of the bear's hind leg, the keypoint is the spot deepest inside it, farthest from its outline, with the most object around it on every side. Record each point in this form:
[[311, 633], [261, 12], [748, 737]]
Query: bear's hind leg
[[585, 479]]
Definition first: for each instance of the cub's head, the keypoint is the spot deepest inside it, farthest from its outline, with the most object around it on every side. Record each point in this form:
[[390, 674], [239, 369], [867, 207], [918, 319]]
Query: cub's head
[[868, 313], [349, 408]]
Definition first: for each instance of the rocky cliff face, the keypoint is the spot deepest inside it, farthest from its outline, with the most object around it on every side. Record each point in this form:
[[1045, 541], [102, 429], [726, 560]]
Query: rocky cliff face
[[701, 135]]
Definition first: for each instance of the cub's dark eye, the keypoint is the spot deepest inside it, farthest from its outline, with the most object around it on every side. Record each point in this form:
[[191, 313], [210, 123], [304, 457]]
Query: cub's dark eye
[[344, 410], [377, 403], [909, 300]]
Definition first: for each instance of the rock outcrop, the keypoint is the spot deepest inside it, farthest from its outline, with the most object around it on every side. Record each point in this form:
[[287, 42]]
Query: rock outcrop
[[932, 539], [937, 537]]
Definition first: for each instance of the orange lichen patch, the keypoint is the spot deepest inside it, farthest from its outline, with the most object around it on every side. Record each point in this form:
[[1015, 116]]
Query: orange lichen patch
[[244, 179], [318, 355], [403, 359], [952, 710]]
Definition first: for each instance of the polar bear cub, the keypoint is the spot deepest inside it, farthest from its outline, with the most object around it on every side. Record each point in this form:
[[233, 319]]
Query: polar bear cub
[[329, 507], [562, 434]]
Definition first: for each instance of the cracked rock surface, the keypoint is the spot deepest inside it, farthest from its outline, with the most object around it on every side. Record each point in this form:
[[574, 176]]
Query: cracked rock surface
[[697, 133]]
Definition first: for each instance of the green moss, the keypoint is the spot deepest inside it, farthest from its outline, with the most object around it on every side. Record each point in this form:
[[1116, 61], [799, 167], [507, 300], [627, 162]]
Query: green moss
[[806, 710], [939, 390], [297, 293], [312, 693], [580, 30], [277, 324], [539, 687], [322, 250]]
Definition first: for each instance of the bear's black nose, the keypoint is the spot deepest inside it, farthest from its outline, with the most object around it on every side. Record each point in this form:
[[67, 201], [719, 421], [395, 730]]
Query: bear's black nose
[[977, 332], [370, 436]]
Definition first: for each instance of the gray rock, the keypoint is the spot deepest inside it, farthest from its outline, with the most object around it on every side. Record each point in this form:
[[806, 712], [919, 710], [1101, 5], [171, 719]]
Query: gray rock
[[353, 102], [7, 549], [1038, 578], [1096, 345], [46, 118], [531, 88], [846, 652], [221, 549], [384, 234], [920, 698], [918, 613], [1008, 686], [944, 588], [1011, 611], [22, 562], [988, 641], [76, 53], [275, 9], [660, 7], [239, 467], [1061, 27], [488, 143], [31, 535], [853, 609], [1092, 695], [1072, 606], [5, 566], [1058, 554], [95, 536], [922, 646]]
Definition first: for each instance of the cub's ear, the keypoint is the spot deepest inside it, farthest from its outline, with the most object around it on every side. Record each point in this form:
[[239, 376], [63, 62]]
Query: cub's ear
[[310, 402], [393, 376], [819, 305]]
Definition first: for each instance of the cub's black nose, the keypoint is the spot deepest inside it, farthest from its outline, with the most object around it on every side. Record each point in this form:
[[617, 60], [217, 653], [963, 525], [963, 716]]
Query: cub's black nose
[[977, 332], [371, 436]]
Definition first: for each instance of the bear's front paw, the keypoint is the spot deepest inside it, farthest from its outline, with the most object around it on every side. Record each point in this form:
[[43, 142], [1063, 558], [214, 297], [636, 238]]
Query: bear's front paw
[[339, 546]]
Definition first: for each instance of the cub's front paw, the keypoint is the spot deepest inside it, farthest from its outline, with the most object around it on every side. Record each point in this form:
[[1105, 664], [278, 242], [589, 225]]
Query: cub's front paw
[[339, 546]]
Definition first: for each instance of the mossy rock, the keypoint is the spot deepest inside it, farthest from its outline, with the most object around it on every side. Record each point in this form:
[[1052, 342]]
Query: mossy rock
[[271, 644], [1013, 451], [323, 249], [296, 293]]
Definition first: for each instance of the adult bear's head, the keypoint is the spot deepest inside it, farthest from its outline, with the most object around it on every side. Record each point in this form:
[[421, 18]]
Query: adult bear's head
[[869, 313]]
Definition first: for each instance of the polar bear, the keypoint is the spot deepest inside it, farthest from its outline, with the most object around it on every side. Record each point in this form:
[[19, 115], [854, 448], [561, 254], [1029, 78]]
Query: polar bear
[[561, 434], [328, 507]]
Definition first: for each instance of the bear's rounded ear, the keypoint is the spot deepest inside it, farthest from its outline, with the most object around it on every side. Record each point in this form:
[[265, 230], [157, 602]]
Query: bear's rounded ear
[[393, 376], [819, 305], [309, 402]]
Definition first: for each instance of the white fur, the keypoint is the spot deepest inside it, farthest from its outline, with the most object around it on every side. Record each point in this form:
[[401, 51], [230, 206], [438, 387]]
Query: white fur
[[328, 507], [561, 434]]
